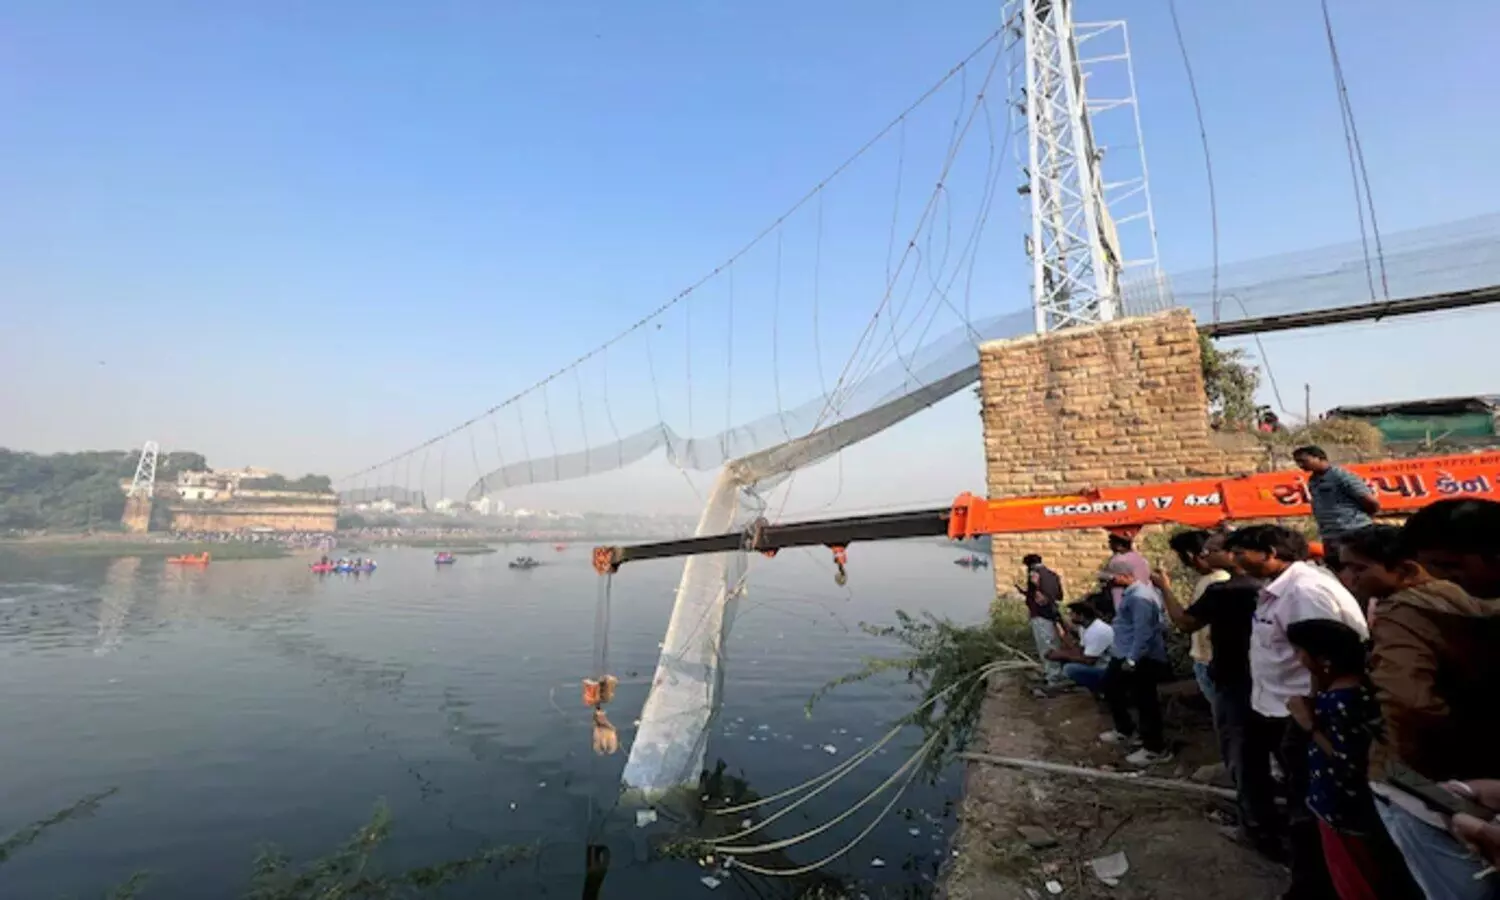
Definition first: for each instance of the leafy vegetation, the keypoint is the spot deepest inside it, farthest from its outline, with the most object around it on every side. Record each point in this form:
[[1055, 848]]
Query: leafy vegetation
[[1230, 382], [946, 660], [347, 873], [307, 484], [74, 491]]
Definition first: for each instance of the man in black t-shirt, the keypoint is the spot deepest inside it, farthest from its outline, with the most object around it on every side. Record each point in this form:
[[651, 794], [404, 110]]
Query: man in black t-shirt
[[1227, 609]]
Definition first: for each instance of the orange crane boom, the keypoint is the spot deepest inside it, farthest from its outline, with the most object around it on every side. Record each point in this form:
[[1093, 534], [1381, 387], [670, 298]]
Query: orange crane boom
[[1401, 485]]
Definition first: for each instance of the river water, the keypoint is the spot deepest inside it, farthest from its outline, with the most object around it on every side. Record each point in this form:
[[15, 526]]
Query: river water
[[255, 702]]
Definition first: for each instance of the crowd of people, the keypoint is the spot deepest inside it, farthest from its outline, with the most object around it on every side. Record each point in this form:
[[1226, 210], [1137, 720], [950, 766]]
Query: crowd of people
[[292, 540], [1353, 696]]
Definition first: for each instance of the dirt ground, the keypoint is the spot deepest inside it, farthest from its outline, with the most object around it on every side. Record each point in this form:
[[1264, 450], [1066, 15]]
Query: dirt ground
[[1176, 844]]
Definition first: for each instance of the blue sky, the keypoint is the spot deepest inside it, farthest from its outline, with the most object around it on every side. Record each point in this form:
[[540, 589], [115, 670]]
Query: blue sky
[[310, 235]]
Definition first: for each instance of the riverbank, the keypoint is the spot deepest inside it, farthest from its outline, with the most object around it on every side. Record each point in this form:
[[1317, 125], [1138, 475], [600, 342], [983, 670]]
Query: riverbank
[[1175, 844], [116, 546]]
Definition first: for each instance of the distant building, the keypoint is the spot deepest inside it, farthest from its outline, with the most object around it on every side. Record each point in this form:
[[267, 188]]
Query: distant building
[[1469, 422], [215, 500], [488, 506]]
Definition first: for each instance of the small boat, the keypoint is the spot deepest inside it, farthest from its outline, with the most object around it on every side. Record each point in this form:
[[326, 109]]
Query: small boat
[[199, 560], [444, 559], [559, 547], [367, 567], [972, 562], [524, 562], [321, 568]]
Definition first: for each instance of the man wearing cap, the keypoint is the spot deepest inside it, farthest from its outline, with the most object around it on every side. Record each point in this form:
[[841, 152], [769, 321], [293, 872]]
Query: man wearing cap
[[1138, 664]]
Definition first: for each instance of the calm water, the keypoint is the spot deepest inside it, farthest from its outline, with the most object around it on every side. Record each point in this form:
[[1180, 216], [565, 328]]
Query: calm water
[[255, 702]]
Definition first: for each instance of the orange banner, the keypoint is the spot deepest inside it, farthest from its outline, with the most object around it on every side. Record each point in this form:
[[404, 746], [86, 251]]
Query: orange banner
[[1400, 485]]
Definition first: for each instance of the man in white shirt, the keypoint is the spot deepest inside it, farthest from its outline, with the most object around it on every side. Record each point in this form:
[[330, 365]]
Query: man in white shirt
[[1295, 591], [1086, 663]]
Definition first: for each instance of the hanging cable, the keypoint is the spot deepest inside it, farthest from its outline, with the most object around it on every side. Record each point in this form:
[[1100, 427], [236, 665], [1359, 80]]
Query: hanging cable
[[687, 328], [478, 469], [776, 341], [1208, 162], [728, 373], [525, 446], [583, 421], [833, 401], [499, 451], [682, 295], [551, 432], [1362, 197], [609, 409], [890, 241]]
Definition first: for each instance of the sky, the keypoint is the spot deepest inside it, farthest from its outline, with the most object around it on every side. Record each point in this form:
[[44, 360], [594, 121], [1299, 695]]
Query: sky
[[311, 236]]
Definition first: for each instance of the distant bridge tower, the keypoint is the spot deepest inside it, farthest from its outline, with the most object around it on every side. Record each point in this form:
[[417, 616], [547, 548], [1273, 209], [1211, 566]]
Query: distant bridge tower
[[139, 500], [1075, 241]]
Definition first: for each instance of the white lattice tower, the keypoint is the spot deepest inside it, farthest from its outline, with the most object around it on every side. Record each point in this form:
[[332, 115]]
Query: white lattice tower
[[144, 483], [1075, 258]]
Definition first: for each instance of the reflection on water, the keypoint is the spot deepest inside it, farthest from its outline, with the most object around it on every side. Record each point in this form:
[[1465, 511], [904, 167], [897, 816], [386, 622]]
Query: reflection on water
[[116, 596], [249, 702]]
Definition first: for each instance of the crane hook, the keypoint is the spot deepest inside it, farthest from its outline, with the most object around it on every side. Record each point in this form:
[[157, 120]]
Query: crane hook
[[840, 558]]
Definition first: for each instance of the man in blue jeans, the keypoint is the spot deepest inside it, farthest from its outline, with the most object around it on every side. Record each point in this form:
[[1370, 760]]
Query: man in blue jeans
[[1086, 663], [1137, 666]]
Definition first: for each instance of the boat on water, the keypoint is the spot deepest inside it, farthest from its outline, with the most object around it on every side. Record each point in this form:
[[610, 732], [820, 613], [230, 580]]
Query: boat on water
[[444, 558], [524, 562], [559, 547], [972, 562], [356, 568], [321, 567], [201, 559]]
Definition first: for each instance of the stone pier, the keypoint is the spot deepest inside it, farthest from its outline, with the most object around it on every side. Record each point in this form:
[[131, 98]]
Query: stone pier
[[1113, 404]]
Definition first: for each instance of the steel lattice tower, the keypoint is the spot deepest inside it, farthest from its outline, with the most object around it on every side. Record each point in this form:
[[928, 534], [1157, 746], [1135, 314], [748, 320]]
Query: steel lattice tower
[[1075, 243], [144, 483]]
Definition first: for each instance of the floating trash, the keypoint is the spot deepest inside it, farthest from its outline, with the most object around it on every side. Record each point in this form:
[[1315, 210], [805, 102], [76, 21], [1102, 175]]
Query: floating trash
[[644, 817], [710, 882], [878, 863], [830, 749], [1054, 887], [914, 832]]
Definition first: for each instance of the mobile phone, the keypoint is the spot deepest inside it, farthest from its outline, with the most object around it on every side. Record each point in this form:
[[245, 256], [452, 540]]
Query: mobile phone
[[1434, 796]]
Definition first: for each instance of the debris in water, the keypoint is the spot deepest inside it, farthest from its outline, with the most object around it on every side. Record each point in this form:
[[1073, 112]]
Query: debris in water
[[541, 784], [513, 804], [914, 832], [710, 882], [878, 863], [807, 746], [644, 817], [830, 749], [1054, 887], [1110, 869], [746, 823]]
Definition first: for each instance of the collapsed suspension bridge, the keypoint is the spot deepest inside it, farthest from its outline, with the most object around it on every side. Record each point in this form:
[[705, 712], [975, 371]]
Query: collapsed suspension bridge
[[1091, 253]]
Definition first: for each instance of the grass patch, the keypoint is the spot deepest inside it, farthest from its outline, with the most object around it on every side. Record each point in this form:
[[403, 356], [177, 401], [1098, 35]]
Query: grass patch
[[96, 548]]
